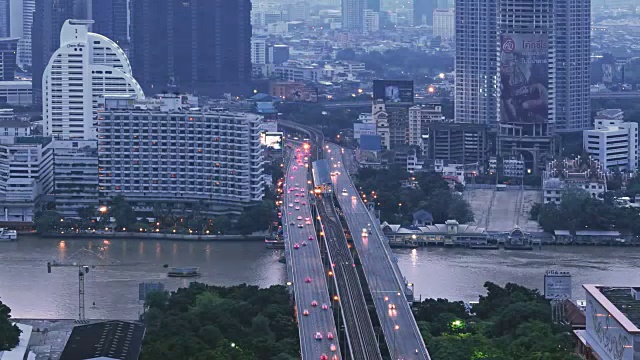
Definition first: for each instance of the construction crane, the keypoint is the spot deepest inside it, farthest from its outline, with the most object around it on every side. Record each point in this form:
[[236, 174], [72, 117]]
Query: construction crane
[[83, 259]]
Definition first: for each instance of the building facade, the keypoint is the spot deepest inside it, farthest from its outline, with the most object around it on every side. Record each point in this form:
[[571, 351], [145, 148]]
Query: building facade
[[444, 23], [419, 118], [192, 46], [21, 13], [258, 51], [16, 93], [213, 158], [111, 19], [572, 30], [371, 21], [5, 19], [585, 174], [613, 142], [353, 14], [8, 58], [84, 68], [423, 12], [476, 61], [75, 176]]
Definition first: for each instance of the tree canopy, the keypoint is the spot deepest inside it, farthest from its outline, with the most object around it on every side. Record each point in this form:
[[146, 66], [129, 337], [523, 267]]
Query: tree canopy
[[9, 332], [209, 322], [510, 323]]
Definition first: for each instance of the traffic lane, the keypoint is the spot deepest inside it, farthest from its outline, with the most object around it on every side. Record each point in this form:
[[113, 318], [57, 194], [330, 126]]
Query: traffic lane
[[318, 320]]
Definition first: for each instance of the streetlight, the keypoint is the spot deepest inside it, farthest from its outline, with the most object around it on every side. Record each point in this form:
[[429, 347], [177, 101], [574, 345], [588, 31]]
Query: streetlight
[[396, 328]]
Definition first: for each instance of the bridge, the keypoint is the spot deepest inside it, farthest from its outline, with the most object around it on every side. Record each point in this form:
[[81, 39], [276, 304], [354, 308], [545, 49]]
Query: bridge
[[304, 262], [389, 289]]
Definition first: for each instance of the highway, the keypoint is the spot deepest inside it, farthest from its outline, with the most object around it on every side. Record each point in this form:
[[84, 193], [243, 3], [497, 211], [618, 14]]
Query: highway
[[381, 272], [303, 255], [360, 334]]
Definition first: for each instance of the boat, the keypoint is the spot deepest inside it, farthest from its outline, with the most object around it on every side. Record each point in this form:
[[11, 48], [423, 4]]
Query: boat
[[274, 244], [8, 235], [183, 272]]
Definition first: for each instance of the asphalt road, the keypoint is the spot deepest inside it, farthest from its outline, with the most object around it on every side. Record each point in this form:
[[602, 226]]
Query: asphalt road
[[382, 274], [353, 307], [306, 262]]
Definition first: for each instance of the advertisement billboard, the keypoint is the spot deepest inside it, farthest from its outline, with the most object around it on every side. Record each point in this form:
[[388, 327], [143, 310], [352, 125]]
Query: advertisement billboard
[[557, 285], [273, 140], [363, 129], [524, 78], [393, 91]]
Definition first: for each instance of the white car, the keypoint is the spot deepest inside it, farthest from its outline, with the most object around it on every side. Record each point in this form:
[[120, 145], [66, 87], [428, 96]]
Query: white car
[[345, 192]]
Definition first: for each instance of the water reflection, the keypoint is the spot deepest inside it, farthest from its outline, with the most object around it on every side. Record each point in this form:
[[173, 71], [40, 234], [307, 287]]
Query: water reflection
[[32, 292]]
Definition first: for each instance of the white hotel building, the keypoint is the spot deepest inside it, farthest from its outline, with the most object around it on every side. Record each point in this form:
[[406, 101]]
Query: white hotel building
[[613, 142], [84, 68], [182, 157]]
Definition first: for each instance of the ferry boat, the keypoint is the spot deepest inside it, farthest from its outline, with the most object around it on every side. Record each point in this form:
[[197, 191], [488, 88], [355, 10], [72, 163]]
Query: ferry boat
[[184, 272], [8, 235]]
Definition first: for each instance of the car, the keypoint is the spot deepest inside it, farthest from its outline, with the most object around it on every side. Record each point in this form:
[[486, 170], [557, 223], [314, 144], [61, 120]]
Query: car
[[392, 306], [314, 303], [299, 217], [296, 201], [295, 168], [307, 279], [317, 336], [345, 192], [290, 204], [308, 222], [300, 226], [292, 223], [324, 307], [307, 219], [296, 246], [334, 357], [310, 237], [303, 203], [333, 347], [324, 357], [297, 207], [305, 312], [330, 335], [304, 243]]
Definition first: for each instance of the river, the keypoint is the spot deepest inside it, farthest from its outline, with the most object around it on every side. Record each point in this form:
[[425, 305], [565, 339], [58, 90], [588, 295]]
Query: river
[[456, 274]]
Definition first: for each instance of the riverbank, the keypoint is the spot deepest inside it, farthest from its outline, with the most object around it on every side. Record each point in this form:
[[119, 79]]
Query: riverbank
[[153, 236]]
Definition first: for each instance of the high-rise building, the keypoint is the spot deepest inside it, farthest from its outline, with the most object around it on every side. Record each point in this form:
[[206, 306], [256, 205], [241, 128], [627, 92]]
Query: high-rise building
[[5, 19], [444, 23], [352, 14], [48, 18], [189, 45], [179, 155], [111, 20], [373, 5], [423, 11], [84, 68], [476, 61], [572, 65], [371, 21], [8, 51], [21, 13], [258, 51]]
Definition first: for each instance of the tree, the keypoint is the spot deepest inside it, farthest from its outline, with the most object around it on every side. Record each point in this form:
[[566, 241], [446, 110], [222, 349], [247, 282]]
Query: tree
[[460, 210], [47, 221], [9, 332], [122, 212]]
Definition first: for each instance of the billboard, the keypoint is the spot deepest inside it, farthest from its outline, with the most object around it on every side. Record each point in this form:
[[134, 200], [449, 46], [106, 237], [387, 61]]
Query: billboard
[[363, 129], [557, 285], [524, 78], [393, 91], [273, 140]]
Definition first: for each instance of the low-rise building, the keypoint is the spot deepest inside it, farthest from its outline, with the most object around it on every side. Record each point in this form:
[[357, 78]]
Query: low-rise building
[[16, 93], [586, 174], [613, 142], [184, 157], [613, 323], [450, 233]]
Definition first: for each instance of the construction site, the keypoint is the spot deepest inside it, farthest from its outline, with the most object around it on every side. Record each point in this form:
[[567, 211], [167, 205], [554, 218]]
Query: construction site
[[501, 209]]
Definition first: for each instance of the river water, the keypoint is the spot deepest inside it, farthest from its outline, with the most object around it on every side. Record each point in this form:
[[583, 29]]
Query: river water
[[456, 274]]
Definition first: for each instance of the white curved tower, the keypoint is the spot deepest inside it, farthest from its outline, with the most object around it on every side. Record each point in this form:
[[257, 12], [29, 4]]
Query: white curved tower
[[84, 68]]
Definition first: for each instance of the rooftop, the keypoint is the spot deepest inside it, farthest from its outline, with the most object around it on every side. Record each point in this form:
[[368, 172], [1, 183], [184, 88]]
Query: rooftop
[[111, 339], [624, 301]]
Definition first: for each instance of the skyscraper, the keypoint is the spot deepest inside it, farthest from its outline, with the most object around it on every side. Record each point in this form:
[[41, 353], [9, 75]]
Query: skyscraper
[[8, 49], [189, 45], [423, 11], [111, 20], [21, 13], [85, 67], [572, 65], [373, 5], [476, 61], [48, 18], [353, 14], [5, 19]]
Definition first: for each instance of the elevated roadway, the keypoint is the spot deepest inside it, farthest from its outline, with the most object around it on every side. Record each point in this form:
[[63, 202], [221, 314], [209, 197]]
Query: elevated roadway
[[382, 274], [358, 327], [304, 261]]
